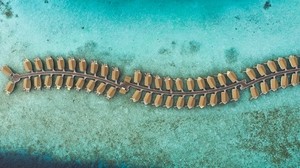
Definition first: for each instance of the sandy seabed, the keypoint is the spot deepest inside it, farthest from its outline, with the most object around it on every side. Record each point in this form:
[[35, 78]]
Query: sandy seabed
[[177, 39]]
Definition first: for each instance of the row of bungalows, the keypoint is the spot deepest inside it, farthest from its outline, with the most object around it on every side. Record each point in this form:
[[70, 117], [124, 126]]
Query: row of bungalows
[[72, 65], [273, 84], [151, 90], [272, 75], [189, 101], [281, 64], [178, 84], [44, 77], [68, 82]]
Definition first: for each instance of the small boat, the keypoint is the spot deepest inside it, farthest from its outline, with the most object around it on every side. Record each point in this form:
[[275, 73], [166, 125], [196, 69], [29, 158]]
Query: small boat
[[10, 86], [222, 79], [6, 70], [191, 102], [136, 95], [37, 82], [90, 85], [82, 65], [168, 83], [26, 84], [201, 83], [232, 76], [261, 70], [158, 82], [179, 84], [59, 81], [137, 76], [94, 67], [72, 64], [27, 65], [293, 61], [115, 74], [180, 102], [101, 88], [190, 84], [79, 83], [111, 92], [49, 64], [282, 63], [211, 82], [48, 81], [38, 64], [60, 64], [272, 66]]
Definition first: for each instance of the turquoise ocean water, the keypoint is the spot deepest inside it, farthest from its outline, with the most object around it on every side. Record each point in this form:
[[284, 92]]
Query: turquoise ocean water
[[170, 38]]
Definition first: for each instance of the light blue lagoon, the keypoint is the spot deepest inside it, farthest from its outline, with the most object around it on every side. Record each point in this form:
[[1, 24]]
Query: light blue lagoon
[[168, 38]]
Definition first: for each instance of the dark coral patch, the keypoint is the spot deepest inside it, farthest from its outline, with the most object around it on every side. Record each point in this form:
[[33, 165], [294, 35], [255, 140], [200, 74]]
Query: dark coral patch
[[6, 9], [267, 5], [231, 55], [190, 48], [194, 46], [164, 51]]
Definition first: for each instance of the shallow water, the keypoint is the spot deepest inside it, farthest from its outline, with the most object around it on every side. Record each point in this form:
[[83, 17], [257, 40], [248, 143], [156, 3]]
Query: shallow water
[[174, 38]]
